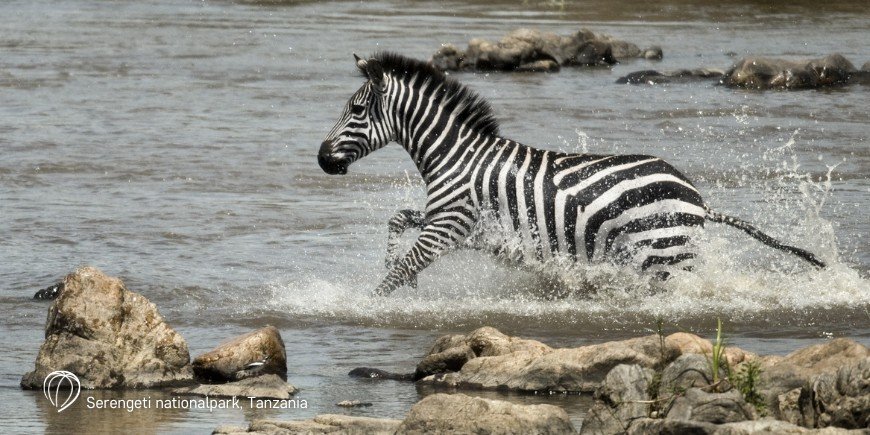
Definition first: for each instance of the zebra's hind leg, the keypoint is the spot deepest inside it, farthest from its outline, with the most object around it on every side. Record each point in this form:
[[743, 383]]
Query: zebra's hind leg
[[398, 224], [436, 238]]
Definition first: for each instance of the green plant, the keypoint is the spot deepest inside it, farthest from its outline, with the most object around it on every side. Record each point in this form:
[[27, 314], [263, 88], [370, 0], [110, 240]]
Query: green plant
[[717, 359], [746, 379]]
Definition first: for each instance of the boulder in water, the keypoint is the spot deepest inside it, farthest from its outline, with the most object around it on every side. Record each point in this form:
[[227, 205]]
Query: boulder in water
[[253, 354], [109, 337]]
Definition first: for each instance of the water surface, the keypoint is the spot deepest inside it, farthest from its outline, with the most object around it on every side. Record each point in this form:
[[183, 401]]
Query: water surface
[[173, 144]]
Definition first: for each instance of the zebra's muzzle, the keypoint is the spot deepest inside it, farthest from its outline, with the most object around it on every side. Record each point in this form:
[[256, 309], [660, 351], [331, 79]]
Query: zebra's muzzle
[[329, 163]]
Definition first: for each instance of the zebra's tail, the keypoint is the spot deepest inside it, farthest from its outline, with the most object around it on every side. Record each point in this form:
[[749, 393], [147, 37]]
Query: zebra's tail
[[764, 238]]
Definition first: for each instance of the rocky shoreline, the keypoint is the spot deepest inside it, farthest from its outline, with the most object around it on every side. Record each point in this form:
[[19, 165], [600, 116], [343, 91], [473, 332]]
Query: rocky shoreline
[[111, 337]]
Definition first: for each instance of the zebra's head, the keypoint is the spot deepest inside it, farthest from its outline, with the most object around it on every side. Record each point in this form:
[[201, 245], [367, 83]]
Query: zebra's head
[[361, 128]]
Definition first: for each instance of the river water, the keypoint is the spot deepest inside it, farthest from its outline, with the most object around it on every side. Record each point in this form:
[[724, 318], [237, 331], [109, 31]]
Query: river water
[[172, 144]]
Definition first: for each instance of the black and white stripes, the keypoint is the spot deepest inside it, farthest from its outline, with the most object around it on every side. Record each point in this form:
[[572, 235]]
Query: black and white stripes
[[630, 209]]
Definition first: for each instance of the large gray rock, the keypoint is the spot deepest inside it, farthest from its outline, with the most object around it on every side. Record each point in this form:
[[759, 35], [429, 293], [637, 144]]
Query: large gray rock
[[622, 398], [109, 337], [716, 408], [256, 353], [458, 413], [269, 386], [767, 73], [688, 371]]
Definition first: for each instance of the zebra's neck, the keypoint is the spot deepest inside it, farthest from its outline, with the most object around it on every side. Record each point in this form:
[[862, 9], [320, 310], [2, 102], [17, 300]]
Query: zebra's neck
[[434, 126]]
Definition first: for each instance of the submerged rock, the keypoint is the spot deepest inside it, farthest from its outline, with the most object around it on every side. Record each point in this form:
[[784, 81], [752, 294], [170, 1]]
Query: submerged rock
[[770, 73], [269, 386], [654, 77], [535, 51], [50, 292], [109, 337], [256, 353], [368, 372]]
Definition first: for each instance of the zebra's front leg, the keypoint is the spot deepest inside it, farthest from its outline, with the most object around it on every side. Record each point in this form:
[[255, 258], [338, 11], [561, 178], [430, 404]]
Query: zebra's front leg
[[401, 221], [435, 239]]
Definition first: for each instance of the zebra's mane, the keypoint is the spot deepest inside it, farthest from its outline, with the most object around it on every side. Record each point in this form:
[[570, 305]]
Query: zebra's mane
[[472, 109]]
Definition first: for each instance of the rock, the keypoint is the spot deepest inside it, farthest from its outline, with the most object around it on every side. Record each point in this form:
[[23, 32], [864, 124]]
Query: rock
[[771, 426], [534, 51], [487, 359], [451, 352], [458, 413], [109, 337], [840, 398], [651, 77], [353, 404], [321, 424], [627, 388], [253, 354], [447, 58], [49, 293], [768, 73], [646, 426], [544, 65], [800, 367], [593, 53], [652, 53], [716, 408], [367, 372], [690, 343], [690, 370], [268, 386], [601, 419], [623, 397]]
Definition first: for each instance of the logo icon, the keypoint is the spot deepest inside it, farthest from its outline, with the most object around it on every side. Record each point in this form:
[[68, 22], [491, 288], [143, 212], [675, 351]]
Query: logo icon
[[61, 388]]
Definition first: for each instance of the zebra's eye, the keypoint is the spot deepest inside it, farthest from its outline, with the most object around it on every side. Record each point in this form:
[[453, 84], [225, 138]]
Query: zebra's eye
[[357, 109]]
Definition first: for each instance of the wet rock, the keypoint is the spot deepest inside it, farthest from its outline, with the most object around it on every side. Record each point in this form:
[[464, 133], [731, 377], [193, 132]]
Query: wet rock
[[532, 50], [367, 372], [716, 408], [458, 413], [322, 424], [593, 53], [49, 293], [769, 73], [109, 337], [652, 77], [653, 53], [256, 353], [269, 386], [544, 65], [451, 352], [501, 362], [770, 426], [353, 404]]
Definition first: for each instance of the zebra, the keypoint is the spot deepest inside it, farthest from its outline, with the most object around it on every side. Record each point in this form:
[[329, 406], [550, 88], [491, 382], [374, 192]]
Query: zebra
[[628, 209]]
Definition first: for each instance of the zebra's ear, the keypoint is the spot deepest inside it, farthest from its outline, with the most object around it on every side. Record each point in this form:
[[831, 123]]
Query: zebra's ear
[[360, 63], [375, 72]]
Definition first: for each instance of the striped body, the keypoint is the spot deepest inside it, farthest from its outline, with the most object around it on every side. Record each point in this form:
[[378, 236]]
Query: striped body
[[630, 209]]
